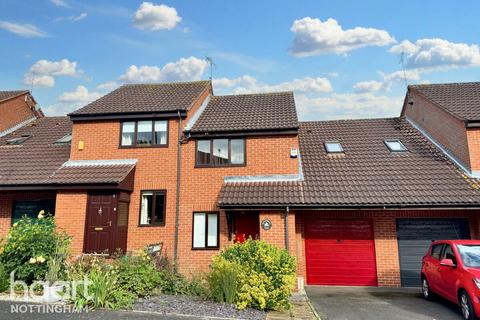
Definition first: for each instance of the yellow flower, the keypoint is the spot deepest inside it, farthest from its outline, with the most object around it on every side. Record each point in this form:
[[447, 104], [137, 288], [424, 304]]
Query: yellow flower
[[15, 224], [32, 260], [40, 259], [41, 214]]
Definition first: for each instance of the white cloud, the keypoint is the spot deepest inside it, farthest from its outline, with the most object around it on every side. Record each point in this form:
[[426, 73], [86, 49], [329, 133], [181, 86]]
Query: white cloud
[[39, 81], [248, 84], [80, 95], [368, 86], [60, 3], [23, 30], [347, 106], [107, 86], [184, 69], [432, 54], [224, 82], [70, 101], [155, 17], [81, 16], [314, 37], [388, 81], [43, 72]]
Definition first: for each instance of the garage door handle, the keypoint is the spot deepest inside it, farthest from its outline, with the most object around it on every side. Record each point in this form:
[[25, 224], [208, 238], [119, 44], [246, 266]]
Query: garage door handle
[[338, 240]]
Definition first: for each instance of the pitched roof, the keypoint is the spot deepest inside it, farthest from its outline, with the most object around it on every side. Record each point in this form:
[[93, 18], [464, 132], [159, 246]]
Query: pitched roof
[[367, 173], [460, 99], [248, 112], [258, 193], [92, 172], [146, 98], [33, 161], [4, 95]]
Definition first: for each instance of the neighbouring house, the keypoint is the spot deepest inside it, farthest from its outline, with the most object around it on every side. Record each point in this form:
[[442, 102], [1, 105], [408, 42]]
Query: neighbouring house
[[356, 201], [17, 108]]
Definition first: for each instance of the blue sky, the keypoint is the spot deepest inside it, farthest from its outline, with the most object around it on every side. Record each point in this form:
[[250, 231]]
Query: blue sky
[[343, 59]]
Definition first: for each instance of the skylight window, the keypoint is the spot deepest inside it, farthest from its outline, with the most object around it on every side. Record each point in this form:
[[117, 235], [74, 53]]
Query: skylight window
[[395, 145], [66, 139], [18, 140], [333, 147]]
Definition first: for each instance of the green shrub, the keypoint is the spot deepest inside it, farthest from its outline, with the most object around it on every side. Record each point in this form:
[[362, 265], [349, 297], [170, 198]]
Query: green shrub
[[172, 283], [265, 275], [223, 280], [4, 279], [29, 245], [137, 274], [102, 291]]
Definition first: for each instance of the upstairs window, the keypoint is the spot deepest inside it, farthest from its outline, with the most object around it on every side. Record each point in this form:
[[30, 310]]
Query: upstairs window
[[144, 133], [395, 145], [220, 152], [333, 147], [18, 140], [152, 208]]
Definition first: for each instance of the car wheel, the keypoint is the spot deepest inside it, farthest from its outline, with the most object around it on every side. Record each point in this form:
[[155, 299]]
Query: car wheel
[[467, 307], [427, 293]]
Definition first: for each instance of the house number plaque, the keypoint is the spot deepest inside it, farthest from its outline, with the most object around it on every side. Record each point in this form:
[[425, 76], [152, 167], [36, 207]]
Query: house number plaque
[[266, 224]]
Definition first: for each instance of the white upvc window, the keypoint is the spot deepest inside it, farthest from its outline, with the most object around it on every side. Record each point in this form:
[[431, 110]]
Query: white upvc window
[[205, 230]]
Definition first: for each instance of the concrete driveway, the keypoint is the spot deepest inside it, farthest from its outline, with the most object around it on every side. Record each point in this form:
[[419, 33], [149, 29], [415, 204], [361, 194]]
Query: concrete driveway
[[369, 303]]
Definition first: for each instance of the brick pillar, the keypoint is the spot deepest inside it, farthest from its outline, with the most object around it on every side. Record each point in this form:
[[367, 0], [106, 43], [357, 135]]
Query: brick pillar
[[276, 235], [386, 250], [5, 214], [70, 215]]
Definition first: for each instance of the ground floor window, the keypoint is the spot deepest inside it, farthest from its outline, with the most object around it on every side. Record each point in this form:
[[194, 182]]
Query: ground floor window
[[31, 208], [205, 230], [152, 208]]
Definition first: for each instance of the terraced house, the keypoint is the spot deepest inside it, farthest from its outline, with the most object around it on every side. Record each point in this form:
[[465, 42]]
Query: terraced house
[[356, 201]]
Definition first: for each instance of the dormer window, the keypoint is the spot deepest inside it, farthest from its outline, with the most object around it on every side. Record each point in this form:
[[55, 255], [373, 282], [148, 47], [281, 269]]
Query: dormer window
[[144, 133], [395, 145], [333, 147], [18, 140]]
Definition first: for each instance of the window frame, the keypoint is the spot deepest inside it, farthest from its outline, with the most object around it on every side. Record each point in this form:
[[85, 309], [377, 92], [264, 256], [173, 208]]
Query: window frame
[[441, 246], [154, 192], [17, 141], [229, 164], [442, 256], [134, 145], [206, 213], [333, 142], [386, 141]]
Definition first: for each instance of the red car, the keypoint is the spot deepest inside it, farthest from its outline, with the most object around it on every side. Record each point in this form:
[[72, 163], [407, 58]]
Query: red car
[[451, 269]]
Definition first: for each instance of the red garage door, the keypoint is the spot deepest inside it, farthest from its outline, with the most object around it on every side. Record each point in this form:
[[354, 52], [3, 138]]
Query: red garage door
[[340, 252]]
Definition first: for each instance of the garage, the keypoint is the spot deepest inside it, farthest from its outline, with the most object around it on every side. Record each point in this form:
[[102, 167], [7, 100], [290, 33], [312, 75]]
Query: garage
[[414, 237], [340, 252]]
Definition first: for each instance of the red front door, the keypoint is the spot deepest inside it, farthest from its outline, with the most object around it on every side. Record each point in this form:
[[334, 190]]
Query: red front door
[[340, 252], [101, 222], [246, 226]]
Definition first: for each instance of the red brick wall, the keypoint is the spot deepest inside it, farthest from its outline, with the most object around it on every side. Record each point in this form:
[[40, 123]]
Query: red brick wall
[[447, 130], [6, 203], [200, 188], [15, 111], [157, 168], [473, 137], [384, 227]]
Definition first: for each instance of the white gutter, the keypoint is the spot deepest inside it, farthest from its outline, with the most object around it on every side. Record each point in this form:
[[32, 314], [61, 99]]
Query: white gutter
[[88, 163]]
